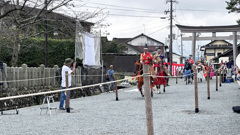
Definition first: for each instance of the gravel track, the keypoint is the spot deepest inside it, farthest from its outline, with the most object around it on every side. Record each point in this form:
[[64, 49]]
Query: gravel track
[[173, 113]]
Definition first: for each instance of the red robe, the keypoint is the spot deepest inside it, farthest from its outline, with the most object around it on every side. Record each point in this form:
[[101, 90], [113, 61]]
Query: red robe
[[191, 61], [160, 80], [146, 58]]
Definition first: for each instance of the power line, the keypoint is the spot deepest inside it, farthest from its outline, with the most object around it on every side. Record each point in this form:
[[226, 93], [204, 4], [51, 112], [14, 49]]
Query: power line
[[201, 10], [122, 9], [182, 13], [135, 16], [157, 30], [119, 6], [137, 27]]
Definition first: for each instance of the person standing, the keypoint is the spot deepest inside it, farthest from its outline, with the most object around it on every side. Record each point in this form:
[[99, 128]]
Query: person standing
[[110, 74], [66, 67], [233, 69], [191, 61], [178, 69]]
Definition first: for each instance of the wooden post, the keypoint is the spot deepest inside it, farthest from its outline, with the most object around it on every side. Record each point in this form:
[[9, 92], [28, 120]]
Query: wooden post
[[196, 92], [116, 88], [148, 101], [220, 79], [67, 94], [176, 76], [216, 80], [208, 85]]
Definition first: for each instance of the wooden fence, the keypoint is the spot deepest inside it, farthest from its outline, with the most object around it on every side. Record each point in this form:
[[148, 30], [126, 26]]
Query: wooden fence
[[29, 78]]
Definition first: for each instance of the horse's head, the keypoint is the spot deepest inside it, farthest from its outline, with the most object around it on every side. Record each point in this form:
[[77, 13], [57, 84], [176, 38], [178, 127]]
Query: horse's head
[[138, 67]]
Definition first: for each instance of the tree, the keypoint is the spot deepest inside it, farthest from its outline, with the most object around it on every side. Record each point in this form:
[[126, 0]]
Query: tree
[[112, 47], [233, 6], [23, 19], [19, 17]]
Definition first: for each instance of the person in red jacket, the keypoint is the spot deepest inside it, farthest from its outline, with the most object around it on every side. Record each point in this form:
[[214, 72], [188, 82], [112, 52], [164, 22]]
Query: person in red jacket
[[190, 59], [146, 57]]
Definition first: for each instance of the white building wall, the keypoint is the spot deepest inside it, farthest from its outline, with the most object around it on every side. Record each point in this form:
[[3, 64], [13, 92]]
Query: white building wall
[[142, 40], [176, 58]]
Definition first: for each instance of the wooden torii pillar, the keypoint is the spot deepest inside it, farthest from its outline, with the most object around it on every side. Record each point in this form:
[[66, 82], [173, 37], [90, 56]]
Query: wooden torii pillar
[[211, 29]]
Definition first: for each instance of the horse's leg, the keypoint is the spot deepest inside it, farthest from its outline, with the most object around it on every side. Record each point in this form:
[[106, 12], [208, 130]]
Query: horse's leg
[[164, 87], [158, 89], [151, 92], [141, 92], [140, 88]]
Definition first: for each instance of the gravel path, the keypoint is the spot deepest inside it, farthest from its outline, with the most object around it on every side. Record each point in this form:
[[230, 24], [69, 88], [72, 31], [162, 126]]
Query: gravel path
[[173, 113]]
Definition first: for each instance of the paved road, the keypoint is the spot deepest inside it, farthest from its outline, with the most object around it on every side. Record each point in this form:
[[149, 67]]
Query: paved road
[[173, 113]]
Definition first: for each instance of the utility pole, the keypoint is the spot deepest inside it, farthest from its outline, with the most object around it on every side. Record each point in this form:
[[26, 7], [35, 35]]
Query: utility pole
[[170, 45], [171, 37], [181, 50], [1, 12], [46, 35]]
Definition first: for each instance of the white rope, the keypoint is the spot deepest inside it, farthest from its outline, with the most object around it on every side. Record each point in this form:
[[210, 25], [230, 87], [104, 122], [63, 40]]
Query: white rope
[[56, 91], [75, 88], [44, 78], [28, 79]]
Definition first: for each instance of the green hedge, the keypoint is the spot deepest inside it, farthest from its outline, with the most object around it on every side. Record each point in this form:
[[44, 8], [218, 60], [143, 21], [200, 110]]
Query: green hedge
[[32, 51]]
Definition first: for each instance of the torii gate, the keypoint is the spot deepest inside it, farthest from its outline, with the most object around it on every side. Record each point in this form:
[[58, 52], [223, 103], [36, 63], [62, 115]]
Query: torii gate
[[211, 29]]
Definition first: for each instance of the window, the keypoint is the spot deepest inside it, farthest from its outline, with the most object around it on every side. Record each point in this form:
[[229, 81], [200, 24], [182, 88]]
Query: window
[[210, 54], [218, 54]]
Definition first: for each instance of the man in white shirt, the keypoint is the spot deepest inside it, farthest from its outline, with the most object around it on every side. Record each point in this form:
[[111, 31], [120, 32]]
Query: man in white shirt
[[66, 67]]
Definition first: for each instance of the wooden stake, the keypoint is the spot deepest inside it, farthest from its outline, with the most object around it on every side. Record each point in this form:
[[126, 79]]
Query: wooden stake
[[176, 77], [116, 88], [148, 101], [216, 80], [208, 85], [220, 79], [67, 93], [196, 92]]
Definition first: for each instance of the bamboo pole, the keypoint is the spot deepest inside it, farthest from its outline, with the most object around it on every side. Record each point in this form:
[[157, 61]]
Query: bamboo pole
[[216, 80], [148, 101], [67, 93], [208, 85], [196, 92]]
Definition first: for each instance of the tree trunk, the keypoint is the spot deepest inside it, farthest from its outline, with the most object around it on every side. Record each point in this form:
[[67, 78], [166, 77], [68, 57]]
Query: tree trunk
[[16, 48], [16, 44]]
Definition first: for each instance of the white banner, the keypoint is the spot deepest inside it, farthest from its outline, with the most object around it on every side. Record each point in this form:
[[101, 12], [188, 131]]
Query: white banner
[[89, 50]]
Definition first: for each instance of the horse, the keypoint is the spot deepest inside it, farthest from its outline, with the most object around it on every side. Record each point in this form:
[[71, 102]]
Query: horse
[[159, 80], [139, 71], [188, 72]]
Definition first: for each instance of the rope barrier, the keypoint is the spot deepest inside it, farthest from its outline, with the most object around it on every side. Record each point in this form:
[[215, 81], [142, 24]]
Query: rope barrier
[[82, 87], [47, 78], [70, 89], [28, 79]]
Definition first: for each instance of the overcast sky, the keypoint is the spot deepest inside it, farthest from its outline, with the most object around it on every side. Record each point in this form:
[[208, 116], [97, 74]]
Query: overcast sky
[[129, 18]]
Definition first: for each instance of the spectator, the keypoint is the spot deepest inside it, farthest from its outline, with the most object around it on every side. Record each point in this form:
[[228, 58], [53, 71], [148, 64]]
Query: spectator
[[229, 64], [110, 74], [178, 71], [66, 67], [233, 72]]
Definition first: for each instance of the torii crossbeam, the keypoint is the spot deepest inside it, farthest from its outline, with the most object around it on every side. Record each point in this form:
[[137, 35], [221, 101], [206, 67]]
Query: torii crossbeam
[[211, 29]]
